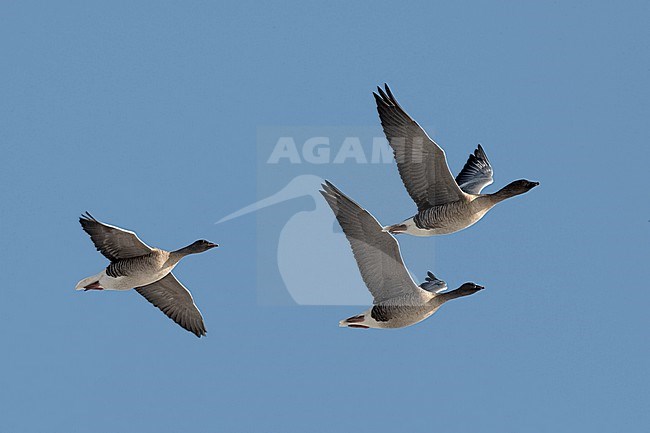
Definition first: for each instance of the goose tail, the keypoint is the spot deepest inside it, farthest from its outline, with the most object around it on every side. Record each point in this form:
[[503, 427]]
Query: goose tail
[[355, 322], [86, 282], [395, 228]]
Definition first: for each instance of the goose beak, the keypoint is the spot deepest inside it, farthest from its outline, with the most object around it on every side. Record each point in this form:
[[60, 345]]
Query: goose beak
[[479, 287], [211, 245]]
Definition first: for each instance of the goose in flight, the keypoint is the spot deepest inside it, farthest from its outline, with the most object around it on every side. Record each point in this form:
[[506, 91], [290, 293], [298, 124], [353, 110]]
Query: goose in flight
[[398, 300], [134, 264], [445, 205]]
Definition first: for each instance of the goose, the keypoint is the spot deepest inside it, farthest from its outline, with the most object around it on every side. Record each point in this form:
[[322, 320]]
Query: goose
[[445, 205], [135, 264], [397, 300]]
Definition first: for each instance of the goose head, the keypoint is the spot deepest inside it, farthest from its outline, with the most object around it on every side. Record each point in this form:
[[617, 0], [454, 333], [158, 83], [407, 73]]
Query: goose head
[[469, 288], [517, 187], [199, 246], [520, 186]]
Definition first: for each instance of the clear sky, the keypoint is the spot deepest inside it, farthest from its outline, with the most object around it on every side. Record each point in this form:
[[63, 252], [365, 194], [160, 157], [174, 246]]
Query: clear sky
[[149, 117]]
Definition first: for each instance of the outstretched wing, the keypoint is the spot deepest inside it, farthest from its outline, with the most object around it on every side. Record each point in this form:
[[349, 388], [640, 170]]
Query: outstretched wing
[[421, 163], [433, 284], [113, 242], [476, 174], [376, 252], [173, 299]]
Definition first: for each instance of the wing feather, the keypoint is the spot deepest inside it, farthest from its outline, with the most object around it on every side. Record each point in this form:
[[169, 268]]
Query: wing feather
[[376, 251], [173, 299], [421, 163], [113, 242], [476, 174]]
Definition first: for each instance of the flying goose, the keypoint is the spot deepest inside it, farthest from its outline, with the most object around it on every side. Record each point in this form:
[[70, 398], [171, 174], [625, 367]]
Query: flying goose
[[398, 301], [134, 264], [444, 205]]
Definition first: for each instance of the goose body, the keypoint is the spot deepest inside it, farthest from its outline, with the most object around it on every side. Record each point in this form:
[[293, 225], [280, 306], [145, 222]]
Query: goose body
[[393, 317], [445, 205], [133, 272], [446, 218], [135, 265], [397, 301]]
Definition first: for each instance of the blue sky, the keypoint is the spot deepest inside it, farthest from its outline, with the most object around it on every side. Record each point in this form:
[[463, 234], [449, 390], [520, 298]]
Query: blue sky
[[148, 116]]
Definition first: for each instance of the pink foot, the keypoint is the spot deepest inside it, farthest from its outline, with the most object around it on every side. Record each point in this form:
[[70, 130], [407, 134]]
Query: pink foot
[[356, 319], [93, 286]]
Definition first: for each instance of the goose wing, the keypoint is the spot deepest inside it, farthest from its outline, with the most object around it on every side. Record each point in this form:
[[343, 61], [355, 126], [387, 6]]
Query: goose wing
[[476, 174], [173, 299], [376, 251], [421, 163], [113, 242], [433, 284]]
